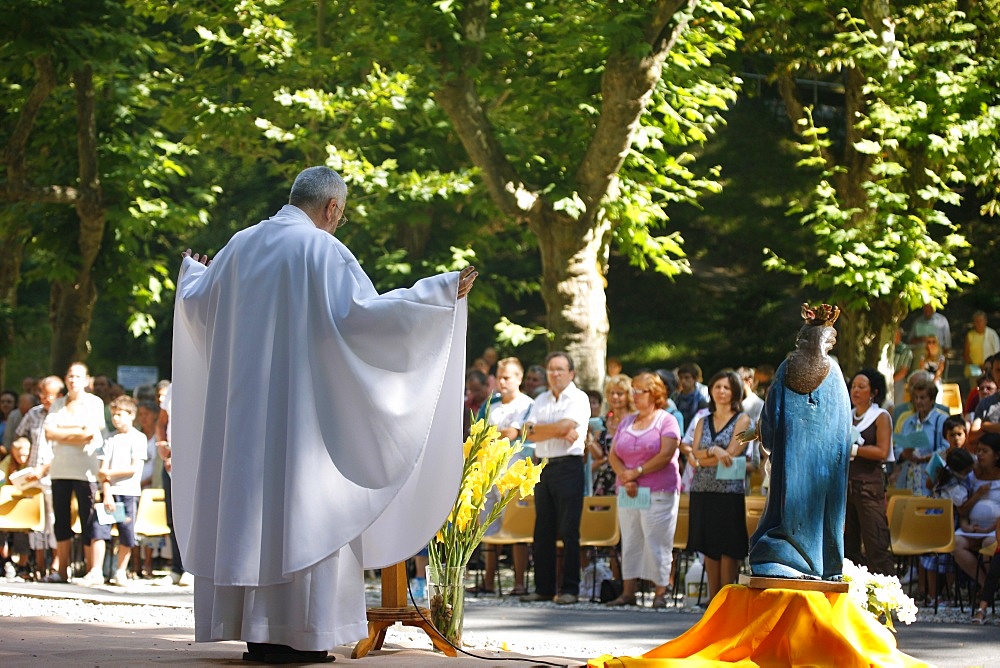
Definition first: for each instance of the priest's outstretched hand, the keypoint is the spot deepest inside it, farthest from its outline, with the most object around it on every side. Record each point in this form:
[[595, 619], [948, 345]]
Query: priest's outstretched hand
[[197, 258], [465, 280]]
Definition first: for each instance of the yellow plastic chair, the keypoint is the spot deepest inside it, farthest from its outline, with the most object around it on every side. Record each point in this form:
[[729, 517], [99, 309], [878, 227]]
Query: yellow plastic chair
[[951, 396], [151, 514], [892, 493], [681, 532], [754, 511], [920, 525], [599, 522], [683, 522], [21, 510], [599, 528], [517, 527]]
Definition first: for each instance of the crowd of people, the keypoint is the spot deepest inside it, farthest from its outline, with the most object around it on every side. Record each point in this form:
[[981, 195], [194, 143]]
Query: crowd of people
[[647, 438], [89, 448], [658, 434]]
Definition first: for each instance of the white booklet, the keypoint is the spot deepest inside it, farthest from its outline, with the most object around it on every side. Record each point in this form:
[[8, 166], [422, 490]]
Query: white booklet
[[640, 500], [735, 471], [104, 517], [19, 478]]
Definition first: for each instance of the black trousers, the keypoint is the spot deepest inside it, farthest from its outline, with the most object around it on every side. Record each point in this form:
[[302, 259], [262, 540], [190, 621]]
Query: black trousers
[[175, 552], [558, 506]]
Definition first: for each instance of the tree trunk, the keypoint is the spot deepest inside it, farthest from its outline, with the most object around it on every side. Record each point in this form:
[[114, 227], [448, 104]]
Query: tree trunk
[[12, 240], [72, 301], [866, 338], [572, 248], [71, 308], [573, 290]]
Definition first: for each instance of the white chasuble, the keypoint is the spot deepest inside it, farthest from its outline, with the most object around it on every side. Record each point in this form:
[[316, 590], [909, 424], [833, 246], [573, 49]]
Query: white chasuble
[[316, 429]]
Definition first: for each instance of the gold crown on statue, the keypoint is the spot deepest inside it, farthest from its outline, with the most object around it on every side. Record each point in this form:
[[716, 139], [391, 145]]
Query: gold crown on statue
[[822, 314]]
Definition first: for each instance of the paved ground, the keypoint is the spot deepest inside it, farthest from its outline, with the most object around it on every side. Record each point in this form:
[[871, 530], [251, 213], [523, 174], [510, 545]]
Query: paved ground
[[58, 641]]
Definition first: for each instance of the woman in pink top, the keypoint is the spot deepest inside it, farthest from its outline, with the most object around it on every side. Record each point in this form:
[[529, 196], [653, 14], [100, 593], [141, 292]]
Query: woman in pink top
[[644, 458]]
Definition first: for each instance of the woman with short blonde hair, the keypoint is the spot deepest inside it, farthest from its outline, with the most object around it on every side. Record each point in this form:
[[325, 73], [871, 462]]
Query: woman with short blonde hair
[[618, 395], [644, 457]]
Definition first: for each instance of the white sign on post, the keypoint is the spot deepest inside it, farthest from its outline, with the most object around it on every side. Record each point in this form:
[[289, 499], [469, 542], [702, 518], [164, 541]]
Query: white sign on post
[[131, 377]]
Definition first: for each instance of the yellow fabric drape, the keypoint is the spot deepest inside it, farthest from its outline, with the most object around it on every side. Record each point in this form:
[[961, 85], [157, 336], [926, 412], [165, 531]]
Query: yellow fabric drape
[[775, 627]]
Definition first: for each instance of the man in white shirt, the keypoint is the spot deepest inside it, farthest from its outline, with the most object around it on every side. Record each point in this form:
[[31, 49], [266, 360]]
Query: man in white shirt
[[557, 424], [931, 323], [509, 406]]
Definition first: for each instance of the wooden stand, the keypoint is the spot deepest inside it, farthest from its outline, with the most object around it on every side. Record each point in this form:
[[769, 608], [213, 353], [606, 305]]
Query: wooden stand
[[396, 609], [755, 582]]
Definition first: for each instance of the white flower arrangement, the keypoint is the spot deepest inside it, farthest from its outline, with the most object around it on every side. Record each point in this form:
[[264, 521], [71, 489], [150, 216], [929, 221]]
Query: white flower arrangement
[[881, 595]]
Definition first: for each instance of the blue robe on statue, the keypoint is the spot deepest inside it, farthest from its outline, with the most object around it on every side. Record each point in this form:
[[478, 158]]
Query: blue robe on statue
[[801, 533]]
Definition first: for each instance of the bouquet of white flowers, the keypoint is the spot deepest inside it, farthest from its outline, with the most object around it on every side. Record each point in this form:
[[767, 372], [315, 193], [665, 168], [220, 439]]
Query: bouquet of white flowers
[[881, 595]]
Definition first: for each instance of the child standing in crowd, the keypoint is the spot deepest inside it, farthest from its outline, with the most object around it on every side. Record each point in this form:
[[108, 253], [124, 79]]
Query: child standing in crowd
[[950, 483], [16, 460], [14, 544], [121, 476], [956, 432]]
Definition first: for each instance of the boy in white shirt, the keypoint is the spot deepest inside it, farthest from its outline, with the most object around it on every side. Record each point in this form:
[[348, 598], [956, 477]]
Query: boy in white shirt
[[121, 475]]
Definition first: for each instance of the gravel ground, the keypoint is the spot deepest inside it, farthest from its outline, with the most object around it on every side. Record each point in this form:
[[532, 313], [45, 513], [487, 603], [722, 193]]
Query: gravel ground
[[478, 629]]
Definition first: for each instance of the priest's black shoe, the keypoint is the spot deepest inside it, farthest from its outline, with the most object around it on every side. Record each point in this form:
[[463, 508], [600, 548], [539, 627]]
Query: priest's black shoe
[[260, 652]]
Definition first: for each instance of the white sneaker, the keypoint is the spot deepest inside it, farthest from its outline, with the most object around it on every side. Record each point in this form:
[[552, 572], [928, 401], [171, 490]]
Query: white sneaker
[[172, 578], [186, 580], [120, 578], [94, 577]]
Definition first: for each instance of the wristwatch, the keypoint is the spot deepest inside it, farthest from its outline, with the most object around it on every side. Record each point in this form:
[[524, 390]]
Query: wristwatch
[[638, 469]]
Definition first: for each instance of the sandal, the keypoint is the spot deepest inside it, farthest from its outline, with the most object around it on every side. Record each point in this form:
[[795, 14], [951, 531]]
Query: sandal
[[979, 617], [479, 589], [54, 578], [621, 601], [659, 602], [519, 591]]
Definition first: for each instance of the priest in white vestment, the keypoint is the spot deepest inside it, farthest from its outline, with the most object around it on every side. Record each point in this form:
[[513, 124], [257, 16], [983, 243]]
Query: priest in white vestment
[[317, 426]]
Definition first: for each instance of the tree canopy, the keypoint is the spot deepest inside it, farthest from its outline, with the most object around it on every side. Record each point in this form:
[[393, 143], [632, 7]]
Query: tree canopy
[[920, 109], [532, 139]]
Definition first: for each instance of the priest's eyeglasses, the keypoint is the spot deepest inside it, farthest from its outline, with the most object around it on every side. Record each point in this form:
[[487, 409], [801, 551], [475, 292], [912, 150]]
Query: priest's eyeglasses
[[343, 219]]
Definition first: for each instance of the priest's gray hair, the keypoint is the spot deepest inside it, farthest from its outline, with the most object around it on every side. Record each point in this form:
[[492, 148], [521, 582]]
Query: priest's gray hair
[[315, 186]]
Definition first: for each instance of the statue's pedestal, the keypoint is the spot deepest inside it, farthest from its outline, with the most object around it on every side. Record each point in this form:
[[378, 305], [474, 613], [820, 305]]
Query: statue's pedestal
[[783, 626], [755, 582]]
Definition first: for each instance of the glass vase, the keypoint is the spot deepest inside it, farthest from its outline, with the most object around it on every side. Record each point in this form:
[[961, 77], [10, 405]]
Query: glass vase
[[446, 601]]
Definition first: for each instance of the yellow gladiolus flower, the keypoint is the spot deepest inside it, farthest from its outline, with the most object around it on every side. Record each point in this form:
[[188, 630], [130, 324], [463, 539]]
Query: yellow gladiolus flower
[[532, 474], [487, 466]]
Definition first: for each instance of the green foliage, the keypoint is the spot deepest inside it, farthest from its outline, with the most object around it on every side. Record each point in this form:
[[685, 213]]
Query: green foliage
[[367, 108], [922, 132], [685, 110], [515, 335]]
